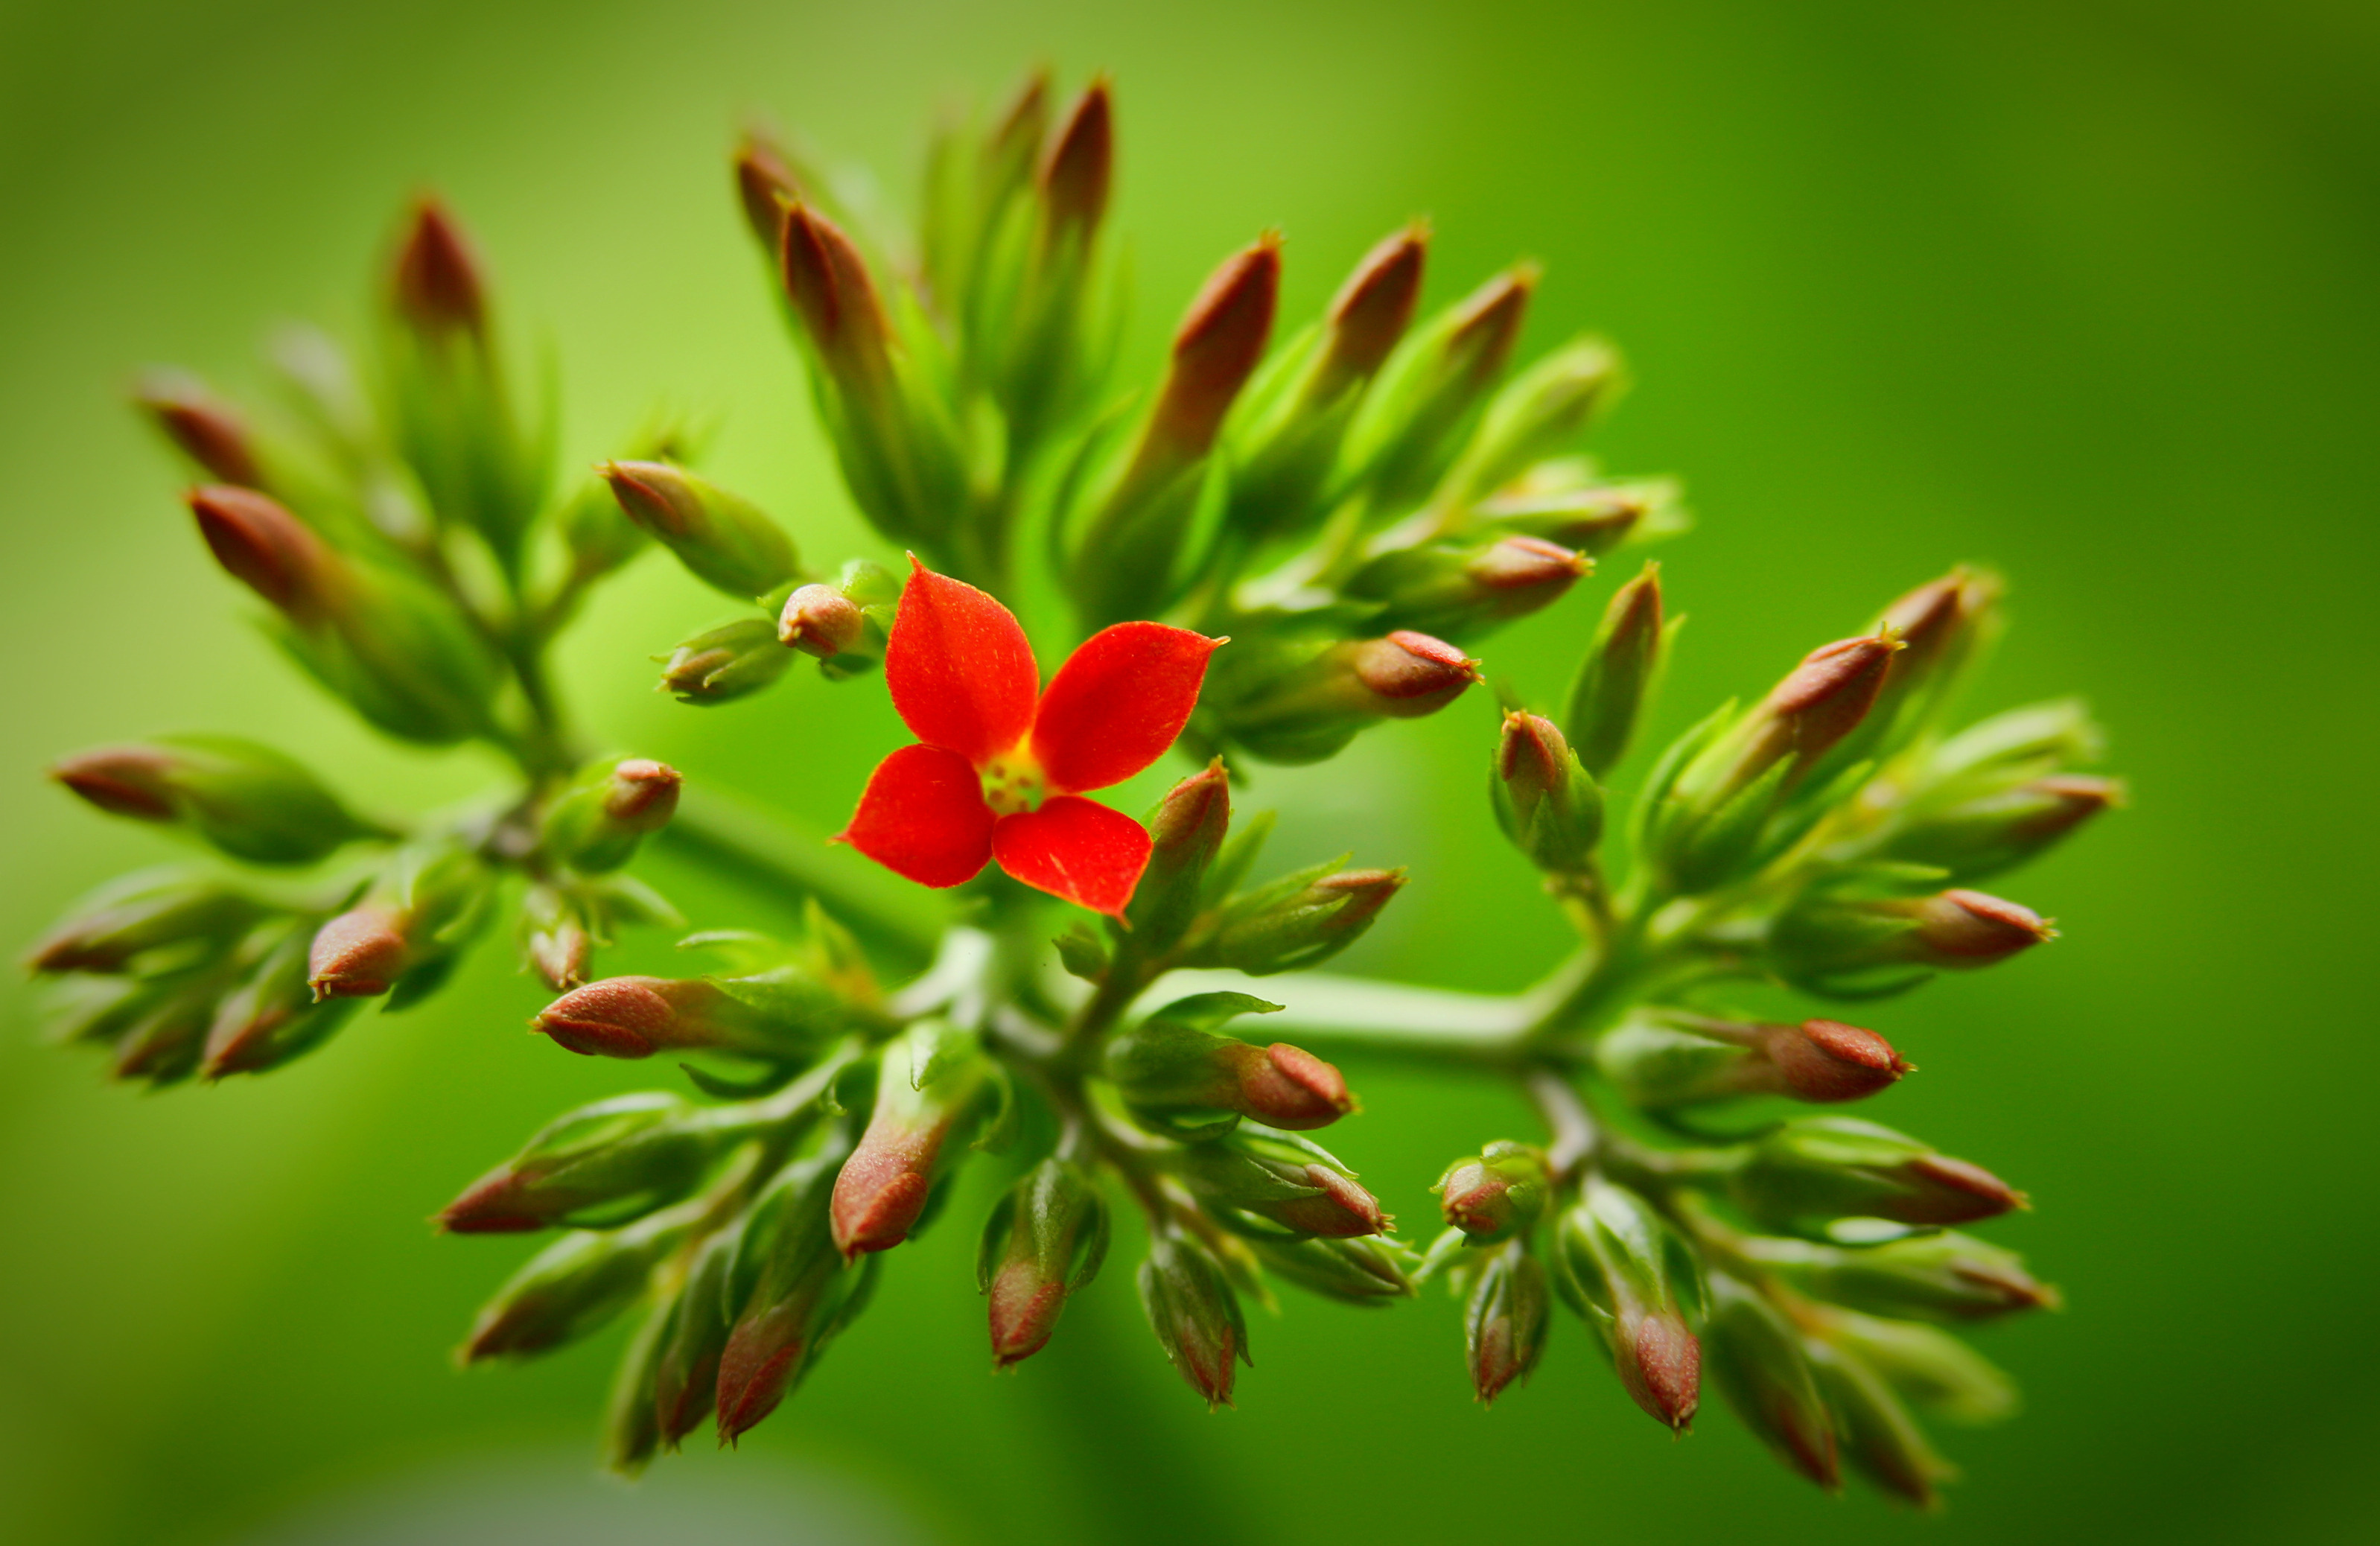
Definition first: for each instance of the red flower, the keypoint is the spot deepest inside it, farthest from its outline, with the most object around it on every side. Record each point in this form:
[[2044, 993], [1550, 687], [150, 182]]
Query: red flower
[[1004, 765]]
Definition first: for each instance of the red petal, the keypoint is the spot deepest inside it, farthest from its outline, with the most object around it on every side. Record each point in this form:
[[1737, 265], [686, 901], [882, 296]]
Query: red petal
[[960, 670], [1075, 849], [1117, 702], [923, 816]]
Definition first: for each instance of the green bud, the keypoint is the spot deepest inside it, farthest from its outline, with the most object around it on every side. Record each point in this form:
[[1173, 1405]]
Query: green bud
[[684, 1384], [162, 1043], [1194, 1314], [1875, 1431], [248, 800], [1831, 943], [573, 1287], [147, 920], [1496, 1194], [1186, 833], [725, 662], [1659, 1060], [1818, 1168], [1413, 420], [1281, 1179], [801, 1294], [1615, 679], [1303, 702], [1630, 1276], [1544, 800], [1757, 1356], [1943, 1276], [401, 652], [2031, 742], [1926, 1365], [1356, 1270], [1506, 1319], [1045, 1240], [930, 1080], [1297, 922], [723, 540], [1540, 410], [273, 1016], [632, 1431], [1178, 1075], [596, 824], [600, 1166], [784, 1014], [1459, 590], [1978, 838], [1563, 501], [403, 936]]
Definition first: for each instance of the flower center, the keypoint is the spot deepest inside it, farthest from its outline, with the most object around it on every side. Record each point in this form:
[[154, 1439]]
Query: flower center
[[1013, 784]]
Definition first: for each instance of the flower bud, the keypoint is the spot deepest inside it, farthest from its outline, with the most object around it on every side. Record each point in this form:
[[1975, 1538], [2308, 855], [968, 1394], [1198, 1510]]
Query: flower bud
[[202, 426], [820, 621], [1944, 1276], [162, 1044], [1818, 1168], [927, 1083], [1608, 699], [782, 1015], [596, 825], [1820, 942], [1288, 1180], [835, 299], [1578, 512], [765, 185], [572, 1287], [1411, 419], [1496, 1194], [1624, 1271], [1370, 313], [264, 547], [150, 914], [1924, 1365], [271, 1018], [1194, 1314], [436, 286], [723, 540], [1177, 1075], [1665, 1060], [1356, 1270], [1460, 589], [1299, 921], [1296, 705], [248, 800], [684, 1386], [1044, 1241], [2038, 739], [801, 1295], [1818, 704], [1757, 1356], [1186, 832], [1549, 404], [402, 937], [1409, 675], [724, 663], [631, 1429], [1978, 838], [1075, 175], [599, 1166], [359, 953], [1506, 1319], [1874, 1431], [1544, 801]]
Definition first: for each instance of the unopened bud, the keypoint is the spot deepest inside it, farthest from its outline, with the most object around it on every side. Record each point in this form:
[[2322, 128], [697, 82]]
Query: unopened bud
[[1549, 404], [1299, 923], [1409, 675], [572, 1287], [1594, 517], [403, 935], [834, 295], [271, 1018], [1186, 832], [782, 1015], [1981, 837], [248, 800], [1924, 1365], [723, 664], [208, 431], [1175, 1072], [1044, 1241], [1663, 1059], [820, 621], [765, 184], [927, 1083], [359, 953], [1543, 798], [1371, 311], [1460, 589], [556, 939], [596, 825], [684, 1386], [1356, 1270], [1075, 176], [1608, 699], [1194, 1314], [264, 547], [1293, 706], [1823, 940], [632, 1431], [1292, 1182], [1943, 1276], [1623, 1271], [1873, 1430], [1506, 1319], [1496, 1194], [437, 287], [1820, 1168], [1411, 421], [802, 1295], [1767, 1378], [723, 540], [600, 1165], [159, 911]]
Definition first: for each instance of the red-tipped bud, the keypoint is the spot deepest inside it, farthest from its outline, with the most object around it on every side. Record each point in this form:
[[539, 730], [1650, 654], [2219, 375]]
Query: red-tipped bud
[[1045, 1240], [359, 953], [1290, 1086], [1608, 697], [264, 547], [1216, 349], [1195, 1316], [1825, 697], [821, 621], [1831, 1167], [1409, 675], [1373, 309], [1661, 1363], [1080, 167], [1960, 929], [1506, 1319], [1757, 1356], [437, 286], [1186, 832], [1528, 563], [927, 1084], [1487, 323], [1497, 1193], [1291, 1181], [1827, 1061], [765, 184], [134, 781], [833, 293], [1620, 1260], [642, 794], [205, 429], [635, 1016]]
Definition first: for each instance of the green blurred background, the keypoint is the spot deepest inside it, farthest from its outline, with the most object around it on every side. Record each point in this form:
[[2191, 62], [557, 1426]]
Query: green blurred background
[[2086, 291]]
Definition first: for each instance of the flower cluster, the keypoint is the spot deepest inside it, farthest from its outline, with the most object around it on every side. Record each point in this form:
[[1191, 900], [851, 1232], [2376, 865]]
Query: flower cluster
[[1277, 546]]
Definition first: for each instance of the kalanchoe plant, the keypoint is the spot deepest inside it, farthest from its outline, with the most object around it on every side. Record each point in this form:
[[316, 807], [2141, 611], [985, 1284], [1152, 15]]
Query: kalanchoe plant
[[1277, 546]]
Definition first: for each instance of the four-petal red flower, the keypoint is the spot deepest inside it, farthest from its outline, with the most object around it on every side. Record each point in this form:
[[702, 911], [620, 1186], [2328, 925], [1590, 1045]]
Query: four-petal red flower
[[1002, 766]]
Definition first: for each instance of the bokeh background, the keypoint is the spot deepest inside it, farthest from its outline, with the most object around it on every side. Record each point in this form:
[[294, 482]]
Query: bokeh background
[[2084, 290]]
